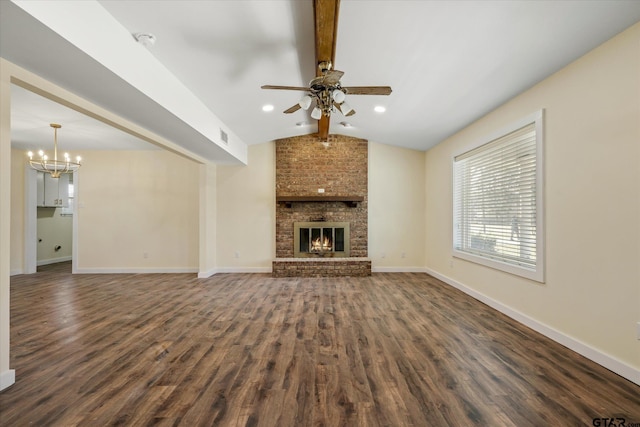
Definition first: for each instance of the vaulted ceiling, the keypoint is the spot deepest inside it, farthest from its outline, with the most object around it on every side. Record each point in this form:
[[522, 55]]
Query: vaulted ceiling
[[448, 62]]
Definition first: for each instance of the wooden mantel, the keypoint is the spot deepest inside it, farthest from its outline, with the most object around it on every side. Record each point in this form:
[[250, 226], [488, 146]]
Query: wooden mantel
[[351, 201]]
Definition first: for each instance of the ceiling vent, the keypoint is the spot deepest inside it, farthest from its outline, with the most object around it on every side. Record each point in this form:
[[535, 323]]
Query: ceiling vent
[[224, 137]]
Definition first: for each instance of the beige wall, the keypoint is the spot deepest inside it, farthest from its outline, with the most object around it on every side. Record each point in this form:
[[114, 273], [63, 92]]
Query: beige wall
[[246, 212], [396, 208], [592, 142], [137, 211], [18, 162], [207, 235]]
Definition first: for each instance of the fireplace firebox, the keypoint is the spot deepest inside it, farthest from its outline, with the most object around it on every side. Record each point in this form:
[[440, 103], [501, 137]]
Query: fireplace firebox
[[321, 239]]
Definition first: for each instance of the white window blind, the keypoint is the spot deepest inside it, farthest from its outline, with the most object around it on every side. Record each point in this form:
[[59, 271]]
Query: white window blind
[[496, 203]]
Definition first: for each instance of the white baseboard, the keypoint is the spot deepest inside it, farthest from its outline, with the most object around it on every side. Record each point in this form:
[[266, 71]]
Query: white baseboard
[[135, 270], [601, 358], [201, 274], [243, 270], [53, 260], [375, 269], [7, 378], [207, 273]]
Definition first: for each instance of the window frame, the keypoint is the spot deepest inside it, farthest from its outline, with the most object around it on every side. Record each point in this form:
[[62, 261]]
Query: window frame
[[537, 274]]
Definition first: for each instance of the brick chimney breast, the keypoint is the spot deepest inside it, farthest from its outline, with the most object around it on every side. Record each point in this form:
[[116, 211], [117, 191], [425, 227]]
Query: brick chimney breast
[[338, 167]]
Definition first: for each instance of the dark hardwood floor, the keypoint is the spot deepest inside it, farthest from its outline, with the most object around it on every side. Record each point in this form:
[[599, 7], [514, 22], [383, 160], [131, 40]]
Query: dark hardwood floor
[[394, 349]]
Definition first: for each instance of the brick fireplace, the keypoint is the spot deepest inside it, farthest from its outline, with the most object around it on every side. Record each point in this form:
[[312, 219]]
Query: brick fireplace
[[321, 183]]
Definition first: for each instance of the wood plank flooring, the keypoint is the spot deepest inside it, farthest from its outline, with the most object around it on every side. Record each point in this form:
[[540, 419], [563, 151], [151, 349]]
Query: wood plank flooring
[[393, 349]]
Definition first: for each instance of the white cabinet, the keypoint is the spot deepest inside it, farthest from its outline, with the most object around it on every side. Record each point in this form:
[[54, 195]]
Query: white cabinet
[[53, 192]]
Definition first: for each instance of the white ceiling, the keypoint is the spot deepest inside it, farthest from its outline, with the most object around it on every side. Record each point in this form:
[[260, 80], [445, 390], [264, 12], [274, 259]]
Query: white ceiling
[[448, 62], [31, 115]]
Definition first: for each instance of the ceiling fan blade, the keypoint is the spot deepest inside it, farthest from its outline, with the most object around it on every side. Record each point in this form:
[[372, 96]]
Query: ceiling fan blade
[[292, 109], [367, 90], [284, 87], [332, 77], [350, 113]]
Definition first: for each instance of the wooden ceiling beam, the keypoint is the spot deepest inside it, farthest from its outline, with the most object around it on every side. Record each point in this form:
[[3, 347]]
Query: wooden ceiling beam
[[326, 30], [325, 14]]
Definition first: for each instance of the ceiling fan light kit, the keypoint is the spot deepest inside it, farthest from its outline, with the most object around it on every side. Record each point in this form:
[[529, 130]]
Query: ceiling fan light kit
[[338, 96], [305, 102], [346, 109]]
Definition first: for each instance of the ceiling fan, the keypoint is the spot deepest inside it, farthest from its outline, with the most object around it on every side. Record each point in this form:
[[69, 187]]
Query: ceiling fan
[[328, 93], [325, 89]]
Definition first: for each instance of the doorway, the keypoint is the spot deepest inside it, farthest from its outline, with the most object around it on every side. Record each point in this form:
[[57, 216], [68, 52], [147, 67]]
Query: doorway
[[50, 235]]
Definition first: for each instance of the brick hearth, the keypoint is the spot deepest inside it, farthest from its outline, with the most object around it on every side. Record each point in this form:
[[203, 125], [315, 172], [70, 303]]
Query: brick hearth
[[321, 267]]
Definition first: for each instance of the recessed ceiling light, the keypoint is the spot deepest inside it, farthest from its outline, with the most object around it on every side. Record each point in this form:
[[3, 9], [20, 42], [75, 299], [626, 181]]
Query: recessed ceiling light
[[300, 124], [346, 124], [379, 109], [267, 107]]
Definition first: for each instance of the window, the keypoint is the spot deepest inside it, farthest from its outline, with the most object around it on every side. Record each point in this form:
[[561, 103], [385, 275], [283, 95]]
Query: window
[[497, 201]]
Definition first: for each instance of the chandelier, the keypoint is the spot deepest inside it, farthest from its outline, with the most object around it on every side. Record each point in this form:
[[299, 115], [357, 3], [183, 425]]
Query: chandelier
[[54, 167]]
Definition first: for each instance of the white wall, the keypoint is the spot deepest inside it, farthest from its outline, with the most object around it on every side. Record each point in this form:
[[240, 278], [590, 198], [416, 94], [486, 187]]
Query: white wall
[[396, 208], [591, 298], [246, 212], [138, 211]]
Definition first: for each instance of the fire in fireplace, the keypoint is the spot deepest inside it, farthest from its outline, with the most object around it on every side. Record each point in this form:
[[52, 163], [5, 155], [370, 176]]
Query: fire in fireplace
[[313, 239]]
